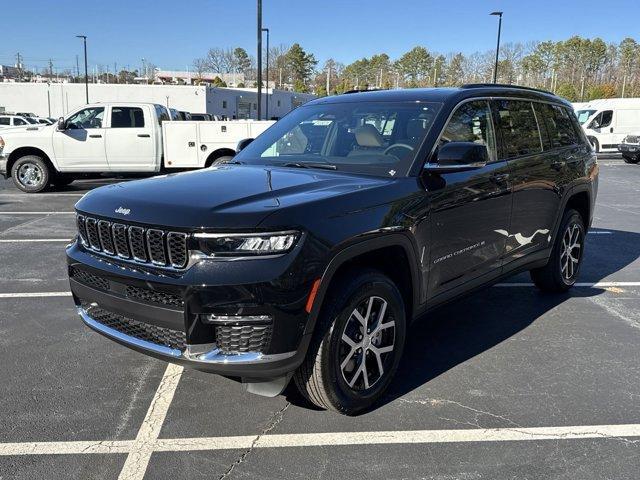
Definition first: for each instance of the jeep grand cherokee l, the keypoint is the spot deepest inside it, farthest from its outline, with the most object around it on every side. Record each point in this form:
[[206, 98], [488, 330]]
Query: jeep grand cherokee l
[[308, 256]]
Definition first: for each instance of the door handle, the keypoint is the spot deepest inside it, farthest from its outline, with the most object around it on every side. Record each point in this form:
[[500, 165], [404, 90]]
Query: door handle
[[144, 135], [95, 136], [611, 130]]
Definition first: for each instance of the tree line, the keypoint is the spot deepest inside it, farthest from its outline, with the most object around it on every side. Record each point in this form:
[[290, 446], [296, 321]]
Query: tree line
[[579, 69]]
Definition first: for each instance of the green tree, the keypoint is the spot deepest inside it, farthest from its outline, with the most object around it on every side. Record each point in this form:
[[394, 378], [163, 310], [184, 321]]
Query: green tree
[[454, 73], [218, 82], [415, 65], [568, 91], [301, 65], [242, 60]]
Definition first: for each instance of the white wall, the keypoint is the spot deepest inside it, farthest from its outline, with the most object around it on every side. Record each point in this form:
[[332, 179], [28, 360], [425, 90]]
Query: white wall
[[63, 98]]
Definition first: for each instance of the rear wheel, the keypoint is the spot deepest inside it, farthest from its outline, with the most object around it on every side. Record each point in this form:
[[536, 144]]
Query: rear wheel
[[31, 174], [219, 161], [357, 344], [561, 272]]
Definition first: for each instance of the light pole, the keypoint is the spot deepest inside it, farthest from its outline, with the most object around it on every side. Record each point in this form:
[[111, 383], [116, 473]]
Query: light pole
[[86, 73], [266, 113], [259, 113], [495, 68]]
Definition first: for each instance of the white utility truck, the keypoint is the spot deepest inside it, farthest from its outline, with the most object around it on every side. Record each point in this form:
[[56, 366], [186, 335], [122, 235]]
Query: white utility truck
[[116, 138]]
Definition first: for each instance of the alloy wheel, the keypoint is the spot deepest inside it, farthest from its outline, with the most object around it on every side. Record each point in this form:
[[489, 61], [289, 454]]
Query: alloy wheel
[[367, 343], [571, 252]]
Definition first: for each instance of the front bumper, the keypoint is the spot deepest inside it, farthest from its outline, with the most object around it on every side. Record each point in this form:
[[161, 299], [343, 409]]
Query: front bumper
[[4, 159], [625, 148], [279, 290]]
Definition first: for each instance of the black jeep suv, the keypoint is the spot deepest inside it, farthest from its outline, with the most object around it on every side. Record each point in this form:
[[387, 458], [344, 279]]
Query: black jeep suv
[[310, 253]]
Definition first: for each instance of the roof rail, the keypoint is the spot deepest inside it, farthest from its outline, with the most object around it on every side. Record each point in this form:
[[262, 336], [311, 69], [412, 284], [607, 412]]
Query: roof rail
[[504, 85]]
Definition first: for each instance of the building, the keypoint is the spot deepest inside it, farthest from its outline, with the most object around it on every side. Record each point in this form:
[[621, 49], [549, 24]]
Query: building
[[193, 78], [8, 73], [56, 100]]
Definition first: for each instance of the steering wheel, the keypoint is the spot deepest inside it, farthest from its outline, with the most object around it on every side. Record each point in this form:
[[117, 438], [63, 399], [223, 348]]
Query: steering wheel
[[398, 145]]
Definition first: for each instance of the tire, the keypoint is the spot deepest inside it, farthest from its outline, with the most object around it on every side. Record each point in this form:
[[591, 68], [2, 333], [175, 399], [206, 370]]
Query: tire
[[31, 174], [631, 158], [62, 180], [331, 376], [219, 160], [594, 143], [563, 267]]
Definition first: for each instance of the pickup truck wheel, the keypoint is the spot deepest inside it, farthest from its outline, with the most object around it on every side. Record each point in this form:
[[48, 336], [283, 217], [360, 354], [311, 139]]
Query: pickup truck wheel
[[357, 344], [220, 160], [31, 174], [563, 267]]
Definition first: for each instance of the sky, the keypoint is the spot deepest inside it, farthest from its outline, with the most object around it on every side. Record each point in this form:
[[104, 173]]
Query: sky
[[172, 33]]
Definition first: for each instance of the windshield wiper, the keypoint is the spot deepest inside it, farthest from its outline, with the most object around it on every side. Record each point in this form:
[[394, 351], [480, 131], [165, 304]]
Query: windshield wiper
[[325, 166]]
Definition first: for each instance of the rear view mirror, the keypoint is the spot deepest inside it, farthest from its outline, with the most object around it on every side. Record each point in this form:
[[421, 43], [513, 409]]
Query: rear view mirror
[[242, 144], [61, 125], [458, 157]]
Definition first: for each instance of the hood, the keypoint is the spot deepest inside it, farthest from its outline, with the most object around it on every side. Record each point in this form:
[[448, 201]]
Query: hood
[[9, 132], [225, 197]]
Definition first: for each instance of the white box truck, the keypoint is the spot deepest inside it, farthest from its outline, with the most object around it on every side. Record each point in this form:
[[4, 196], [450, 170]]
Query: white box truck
[[118, 138], [608, 121]]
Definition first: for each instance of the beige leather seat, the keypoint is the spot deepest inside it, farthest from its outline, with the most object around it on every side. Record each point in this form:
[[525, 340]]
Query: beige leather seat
[[368, 139]]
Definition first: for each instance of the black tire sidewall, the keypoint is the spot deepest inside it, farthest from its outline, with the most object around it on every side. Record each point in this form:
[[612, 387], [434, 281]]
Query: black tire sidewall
[[366, 286], [46, 173]]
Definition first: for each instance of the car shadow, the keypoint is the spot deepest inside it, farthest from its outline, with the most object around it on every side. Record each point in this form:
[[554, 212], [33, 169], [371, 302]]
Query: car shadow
[[456, 332]]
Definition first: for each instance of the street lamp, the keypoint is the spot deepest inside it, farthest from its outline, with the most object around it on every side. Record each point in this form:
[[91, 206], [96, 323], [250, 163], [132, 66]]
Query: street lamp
[[86, 74], [495, 69], [266, 114], [259, 8]]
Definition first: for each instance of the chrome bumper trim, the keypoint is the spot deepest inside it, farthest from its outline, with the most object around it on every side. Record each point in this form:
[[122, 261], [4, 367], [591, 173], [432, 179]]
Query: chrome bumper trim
[[192, 354]]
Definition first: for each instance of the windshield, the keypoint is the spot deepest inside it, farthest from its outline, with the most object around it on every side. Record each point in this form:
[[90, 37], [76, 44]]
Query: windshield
[[376, 138], [583, 115]]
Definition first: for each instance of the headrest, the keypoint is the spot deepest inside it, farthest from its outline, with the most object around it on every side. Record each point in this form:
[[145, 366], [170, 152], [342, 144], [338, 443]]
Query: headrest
[[415, 128], [368, 136]]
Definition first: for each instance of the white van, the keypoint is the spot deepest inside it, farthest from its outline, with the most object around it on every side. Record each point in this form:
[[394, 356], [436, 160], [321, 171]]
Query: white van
[[606, 122]]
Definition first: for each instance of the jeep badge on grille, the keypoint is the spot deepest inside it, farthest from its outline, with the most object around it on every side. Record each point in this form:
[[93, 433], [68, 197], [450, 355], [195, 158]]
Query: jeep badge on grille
[[123, 211]]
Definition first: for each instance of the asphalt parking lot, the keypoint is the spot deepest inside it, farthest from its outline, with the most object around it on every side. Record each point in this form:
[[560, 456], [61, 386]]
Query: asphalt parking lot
[[506, 384]]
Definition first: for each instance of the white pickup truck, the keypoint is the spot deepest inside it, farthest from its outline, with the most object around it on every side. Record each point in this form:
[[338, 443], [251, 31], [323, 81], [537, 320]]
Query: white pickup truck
[[118, 138]]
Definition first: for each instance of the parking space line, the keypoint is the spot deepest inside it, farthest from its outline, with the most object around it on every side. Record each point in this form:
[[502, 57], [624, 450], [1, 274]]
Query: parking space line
[[35, 294], [65, 448], [33, 240], [138, 459], [579, 284], [146, 443]]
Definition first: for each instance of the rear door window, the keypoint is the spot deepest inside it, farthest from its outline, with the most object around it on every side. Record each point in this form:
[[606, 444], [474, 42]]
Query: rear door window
[[556, 126], [518, 128], [5, 121], [19, 121], [127, 117]]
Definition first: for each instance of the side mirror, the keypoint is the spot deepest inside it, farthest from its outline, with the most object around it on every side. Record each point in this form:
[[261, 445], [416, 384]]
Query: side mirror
[[242, 144], [458, 157], [61, 124]]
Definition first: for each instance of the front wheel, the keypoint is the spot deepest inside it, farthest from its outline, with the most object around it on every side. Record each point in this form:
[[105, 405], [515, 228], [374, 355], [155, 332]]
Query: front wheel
[[561, 272], [631, 158], [357, 344], [31, 174]]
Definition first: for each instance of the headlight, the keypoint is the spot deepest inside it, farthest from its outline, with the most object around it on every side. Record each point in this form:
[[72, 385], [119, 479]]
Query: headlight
[[246, 244]]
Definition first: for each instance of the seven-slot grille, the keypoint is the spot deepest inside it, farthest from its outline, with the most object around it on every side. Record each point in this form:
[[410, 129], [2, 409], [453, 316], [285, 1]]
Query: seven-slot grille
[[130, 242]]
